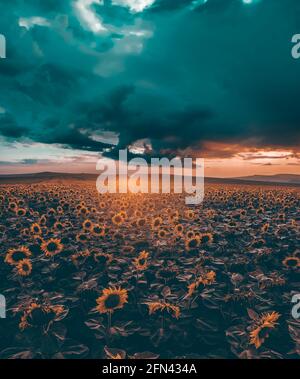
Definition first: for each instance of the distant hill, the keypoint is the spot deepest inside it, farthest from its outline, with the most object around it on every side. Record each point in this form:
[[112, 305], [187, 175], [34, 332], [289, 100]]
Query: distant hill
[[282, 179], [279, 178], [44, 176]]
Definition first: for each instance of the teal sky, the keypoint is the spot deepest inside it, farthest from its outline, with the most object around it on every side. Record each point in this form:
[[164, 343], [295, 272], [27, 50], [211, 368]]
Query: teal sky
[[211, 78]]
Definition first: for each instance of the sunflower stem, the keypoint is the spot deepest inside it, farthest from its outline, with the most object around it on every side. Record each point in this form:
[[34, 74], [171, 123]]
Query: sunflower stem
[[109, 322]]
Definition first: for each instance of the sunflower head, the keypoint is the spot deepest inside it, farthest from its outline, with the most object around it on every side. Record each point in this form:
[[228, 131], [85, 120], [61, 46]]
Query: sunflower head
[[112, 298], [87, 225], [162, 233], [35, 229], [204, 280], [102, 205], [118, 219], [12, 206], [81, 237], [156, 222], [206, 238], [24, 267], [192, 243], [102, 258], [141, 262], [162, 306], [98, 230], [190, 234], [43, 220], [38, 315], [14, 256], [190, 214], [179, 229], [21, 212], [52, 247], [209, 278], [262, 328], [141, 222], [291, 262]]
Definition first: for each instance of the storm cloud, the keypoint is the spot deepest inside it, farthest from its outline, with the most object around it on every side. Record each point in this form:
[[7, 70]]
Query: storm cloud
[[174, 74]]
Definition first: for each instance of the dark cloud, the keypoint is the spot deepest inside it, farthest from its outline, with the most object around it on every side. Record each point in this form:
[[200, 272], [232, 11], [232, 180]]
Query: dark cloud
[[179, 75], [9, 128]]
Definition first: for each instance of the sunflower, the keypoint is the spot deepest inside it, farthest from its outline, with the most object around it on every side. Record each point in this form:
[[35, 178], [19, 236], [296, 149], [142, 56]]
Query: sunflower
[[43, 220], [98, 230], [14, 256], [123, 214], [179, 229], [25, 232], [102, 205], [206, 238], [208, 278], [112, 298], [141, 222], [190, 234], [24, 267], [52, 247], [138, 213], [102, 258], [156, 222], [81, 237], [37, 315], [118, 219], [204, 280], [173, 217], [35, 229], [162, 233], [51, 212], [116, 356], [161, 306], [60, 210], [37, 239], [87, 225], [192, 243], [262, 328], [12, 206], [21, 212], [190, 214], [141, 262], [291, 262], [83, 211]]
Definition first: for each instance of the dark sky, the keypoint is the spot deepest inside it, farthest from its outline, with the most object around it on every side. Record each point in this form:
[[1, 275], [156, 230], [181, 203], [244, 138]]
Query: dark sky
[[177, 75]]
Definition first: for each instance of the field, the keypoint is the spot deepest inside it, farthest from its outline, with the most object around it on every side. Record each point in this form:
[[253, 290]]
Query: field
[[113, 276]]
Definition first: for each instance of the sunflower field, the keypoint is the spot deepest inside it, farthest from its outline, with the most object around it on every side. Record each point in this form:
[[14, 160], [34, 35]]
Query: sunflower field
[[145, 276]]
